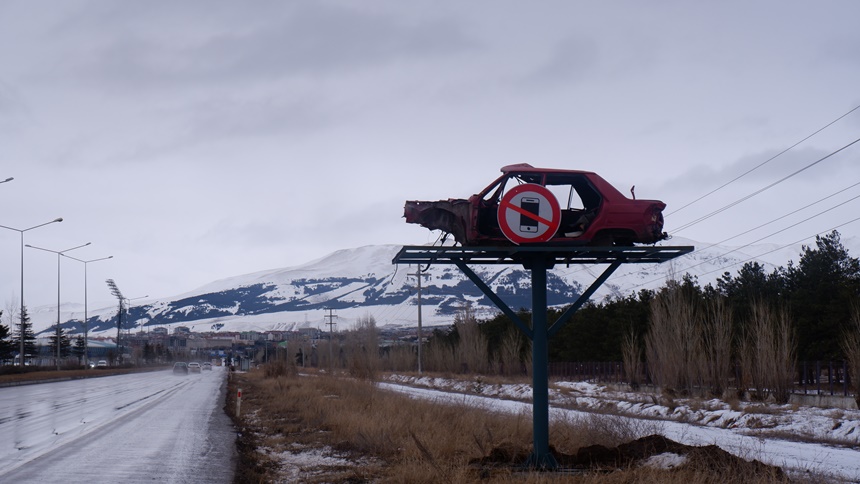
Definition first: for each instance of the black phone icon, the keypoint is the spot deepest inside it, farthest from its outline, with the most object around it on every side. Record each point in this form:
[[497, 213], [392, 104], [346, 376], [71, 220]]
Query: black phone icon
[[531, 205]]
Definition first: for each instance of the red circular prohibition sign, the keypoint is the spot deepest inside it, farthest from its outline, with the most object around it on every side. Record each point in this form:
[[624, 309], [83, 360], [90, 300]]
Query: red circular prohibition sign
[[529, 213]]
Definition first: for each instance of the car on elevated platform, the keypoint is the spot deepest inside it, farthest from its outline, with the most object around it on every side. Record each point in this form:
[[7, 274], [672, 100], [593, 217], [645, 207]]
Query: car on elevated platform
[[590, 211]]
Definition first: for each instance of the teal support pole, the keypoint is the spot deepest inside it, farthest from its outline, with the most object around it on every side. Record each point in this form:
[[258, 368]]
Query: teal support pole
[[541, 458]]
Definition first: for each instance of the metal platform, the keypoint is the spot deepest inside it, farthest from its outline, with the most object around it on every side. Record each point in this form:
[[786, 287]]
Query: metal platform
[[538, 259], [421, 254]]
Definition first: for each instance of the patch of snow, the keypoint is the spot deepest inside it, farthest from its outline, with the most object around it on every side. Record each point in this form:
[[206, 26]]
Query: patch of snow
[[307, 462], [666, 460]]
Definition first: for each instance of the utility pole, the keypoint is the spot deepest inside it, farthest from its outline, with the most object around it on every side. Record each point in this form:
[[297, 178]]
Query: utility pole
[[330, 324], [418, 274]]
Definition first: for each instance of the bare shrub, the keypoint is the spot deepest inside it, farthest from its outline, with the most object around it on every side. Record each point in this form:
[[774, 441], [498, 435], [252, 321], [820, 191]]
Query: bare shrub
[[280, 364], [851, 350], [673, 341], [511, 358], [439, 356], [471, 351], [716, 365], [631, 354], [362, 348], [400, 358], [768, 353]]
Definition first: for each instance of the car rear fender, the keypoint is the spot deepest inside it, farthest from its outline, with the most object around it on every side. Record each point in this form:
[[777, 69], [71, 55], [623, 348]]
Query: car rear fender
[[446, 215]]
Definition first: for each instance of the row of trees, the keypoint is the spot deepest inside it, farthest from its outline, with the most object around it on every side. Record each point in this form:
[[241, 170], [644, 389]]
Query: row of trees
[[817, 294], [745, 331], [10, 340]]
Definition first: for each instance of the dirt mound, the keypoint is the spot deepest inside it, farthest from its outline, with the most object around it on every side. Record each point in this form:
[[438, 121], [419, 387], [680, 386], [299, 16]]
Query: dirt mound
[[711, 458]]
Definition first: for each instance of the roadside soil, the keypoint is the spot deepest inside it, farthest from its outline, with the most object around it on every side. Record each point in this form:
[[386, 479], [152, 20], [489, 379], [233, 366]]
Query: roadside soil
[[649, 459]]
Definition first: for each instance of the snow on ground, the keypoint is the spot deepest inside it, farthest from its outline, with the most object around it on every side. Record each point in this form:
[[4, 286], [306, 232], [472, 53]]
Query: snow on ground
[[666, 460], [796, 438]]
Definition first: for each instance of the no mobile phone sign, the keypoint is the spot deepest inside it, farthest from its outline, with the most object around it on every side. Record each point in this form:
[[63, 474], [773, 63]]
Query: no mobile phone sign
[[529, 213]]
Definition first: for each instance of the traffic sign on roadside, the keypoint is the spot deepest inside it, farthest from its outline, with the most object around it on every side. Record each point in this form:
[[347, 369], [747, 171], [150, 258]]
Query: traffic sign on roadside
[[529, 213]]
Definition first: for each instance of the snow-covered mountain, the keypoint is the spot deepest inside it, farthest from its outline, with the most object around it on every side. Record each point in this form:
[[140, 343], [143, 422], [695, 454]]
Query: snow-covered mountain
[[362, 281]]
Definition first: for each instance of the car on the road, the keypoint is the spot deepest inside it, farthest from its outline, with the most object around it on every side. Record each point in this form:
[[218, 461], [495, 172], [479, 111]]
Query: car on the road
[[102, 364], [180, 368], [590, 211], [194, 367], [207, 366]]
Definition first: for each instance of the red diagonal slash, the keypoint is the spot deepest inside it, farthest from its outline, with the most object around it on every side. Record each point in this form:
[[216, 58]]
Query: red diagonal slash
[[507, 205]]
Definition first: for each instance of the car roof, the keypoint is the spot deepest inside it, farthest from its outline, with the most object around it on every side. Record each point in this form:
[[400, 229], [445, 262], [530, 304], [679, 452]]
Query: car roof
[[526, 168]]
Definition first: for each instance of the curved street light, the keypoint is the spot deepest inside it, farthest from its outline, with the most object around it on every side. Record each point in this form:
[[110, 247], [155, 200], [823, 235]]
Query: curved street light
[[7, 180], [128, 301], [86, 316], [21, 231], [59, 253]]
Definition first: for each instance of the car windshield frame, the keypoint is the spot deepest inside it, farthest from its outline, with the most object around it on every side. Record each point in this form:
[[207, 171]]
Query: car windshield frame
[[577, 181]]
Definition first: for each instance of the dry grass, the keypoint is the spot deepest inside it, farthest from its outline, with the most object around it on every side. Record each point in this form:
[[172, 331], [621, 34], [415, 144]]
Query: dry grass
[[385, 437]]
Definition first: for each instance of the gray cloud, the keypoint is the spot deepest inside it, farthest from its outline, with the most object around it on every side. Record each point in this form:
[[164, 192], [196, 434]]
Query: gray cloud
[[572, 60], [708, 178], [286, 40], [11, 104]]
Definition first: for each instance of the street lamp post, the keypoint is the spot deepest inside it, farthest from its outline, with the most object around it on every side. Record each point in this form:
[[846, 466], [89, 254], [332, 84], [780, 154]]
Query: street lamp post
[[86, 316], [59, 253], [21, 231], [114, 290], [7, 180], [128, 301]]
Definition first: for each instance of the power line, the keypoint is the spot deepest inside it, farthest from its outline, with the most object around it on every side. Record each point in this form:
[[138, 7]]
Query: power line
[[764, 162], [760, 239], [757, 192], [786, 215], [786, 245]]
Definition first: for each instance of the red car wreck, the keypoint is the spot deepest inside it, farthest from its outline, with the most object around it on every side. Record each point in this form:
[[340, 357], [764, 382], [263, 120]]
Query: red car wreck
[[528, 205]]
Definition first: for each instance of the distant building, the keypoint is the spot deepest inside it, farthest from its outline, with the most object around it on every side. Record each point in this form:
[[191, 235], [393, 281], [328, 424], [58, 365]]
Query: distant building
[[181, 330], [310, 333]]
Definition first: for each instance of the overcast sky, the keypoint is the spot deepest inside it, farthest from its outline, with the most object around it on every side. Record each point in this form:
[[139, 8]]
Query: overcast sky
[[198, 140]]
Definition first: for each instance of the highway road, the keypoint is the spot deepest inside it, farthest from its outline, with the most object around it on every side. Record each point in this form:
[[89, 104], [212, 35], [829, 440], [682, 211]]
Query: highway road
[[143, 427]]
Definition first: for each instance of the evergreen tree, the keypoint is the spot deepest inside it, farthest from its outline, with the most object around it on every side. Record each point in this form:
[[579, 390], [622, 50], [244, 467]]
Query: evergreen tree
[[65, 343], [79, 348], [148, 352], [822, 288], [30, 349], [596, 331], [7, 346]]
